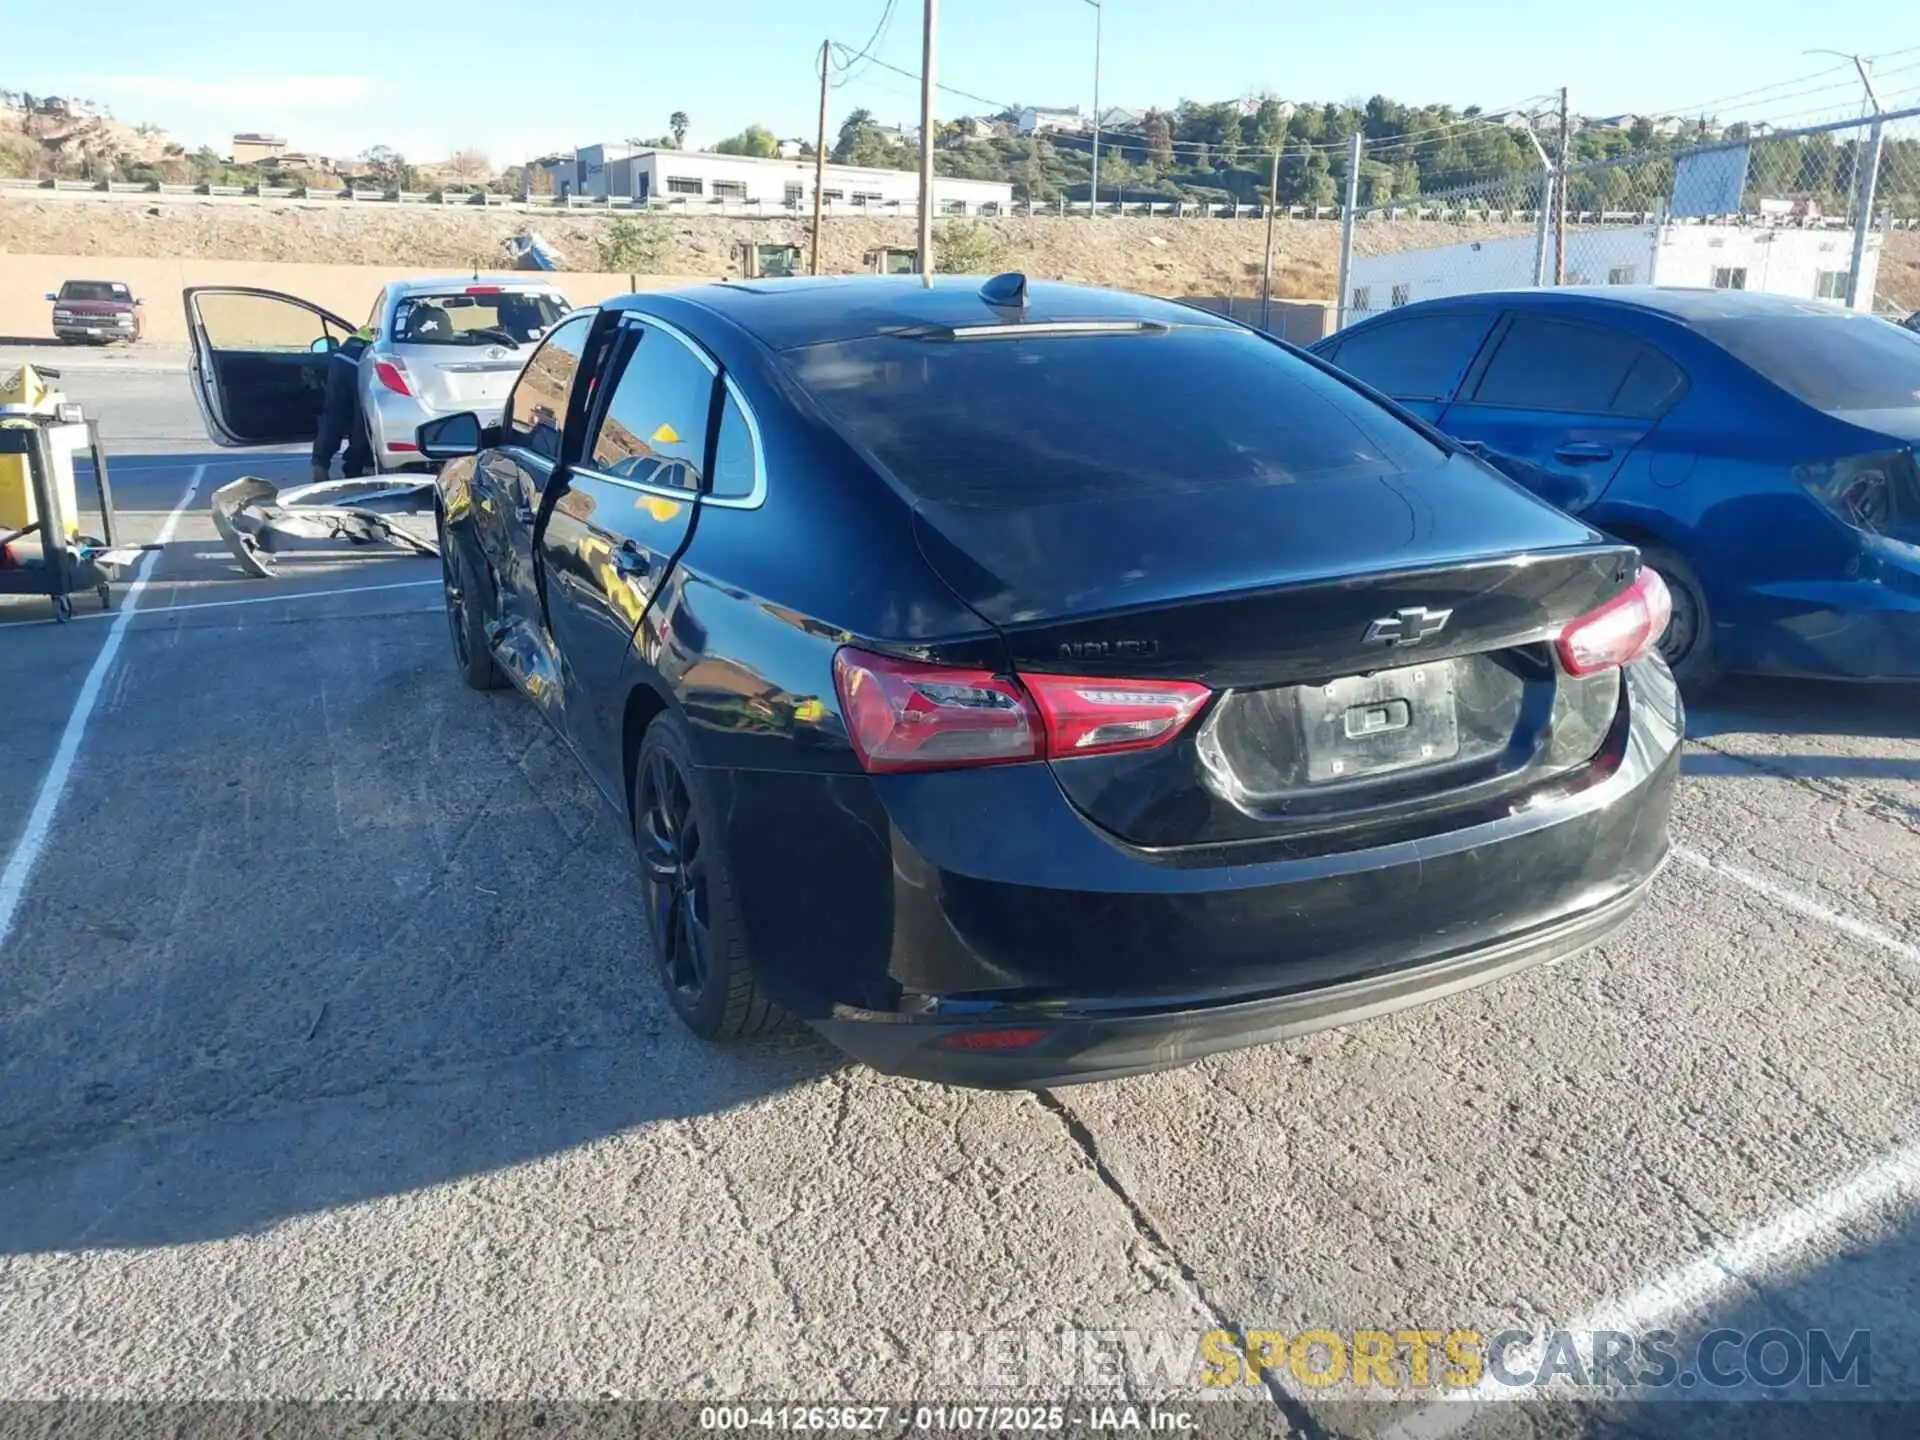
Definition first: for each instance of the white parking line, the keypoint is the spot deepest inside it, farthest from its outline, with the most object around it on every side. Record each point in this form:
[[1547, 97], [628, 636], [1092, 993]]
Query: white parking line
[[269, 599], [13, 880], [1675, 1295], [1800, 905]]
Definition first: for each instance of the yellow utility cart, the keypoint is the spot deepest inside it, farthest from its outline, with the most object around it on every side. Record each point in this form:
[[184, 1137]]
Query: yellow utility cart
[[42, 548]]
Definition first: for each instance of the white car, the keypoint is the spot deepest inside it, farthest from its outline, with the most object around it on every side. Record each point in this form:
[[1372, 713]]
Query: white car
[[441, 345]]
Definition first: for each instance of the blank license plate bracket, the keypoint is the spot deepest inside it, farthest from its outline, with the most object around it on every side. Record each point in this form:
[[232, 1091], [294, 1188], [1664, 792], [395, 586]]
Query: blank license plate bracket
[[1360, 726]]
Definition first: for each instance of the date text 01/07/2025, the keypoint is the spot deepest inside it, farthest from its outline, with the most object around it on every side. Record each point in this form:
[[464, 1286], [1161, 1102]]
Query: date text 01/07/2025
[[950, 1418]]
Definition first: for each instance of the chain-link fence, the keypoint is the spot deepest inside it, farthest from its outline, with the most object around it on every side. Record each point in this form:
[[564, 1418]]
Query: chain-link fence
[[1829, 212]]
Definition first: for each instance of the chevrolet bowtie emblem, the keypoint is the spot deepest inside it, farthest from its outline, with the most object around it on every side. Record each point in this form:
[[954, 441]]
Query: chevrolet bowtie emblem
[[1407, 627]]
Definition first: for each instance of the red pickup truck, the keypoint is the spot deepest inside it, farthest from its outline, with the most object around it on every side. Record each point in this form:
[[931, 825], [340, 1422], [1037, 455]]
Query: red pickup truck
[[95, 312]]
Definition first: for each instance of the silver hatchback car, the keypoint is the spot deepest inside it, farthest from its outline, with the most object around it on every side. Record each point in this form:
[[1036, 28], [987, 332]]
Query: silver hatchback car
[[441, 345]]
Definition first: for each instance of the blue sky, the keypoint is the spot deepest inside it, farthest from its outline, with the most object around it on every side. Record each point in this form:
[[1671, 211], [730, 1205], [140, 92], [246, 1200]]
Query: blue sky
[[513, 79]]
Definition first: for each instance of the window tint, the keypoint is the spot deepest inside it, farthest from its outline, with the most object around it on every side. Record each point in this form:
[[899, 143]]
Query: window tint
[[656, 422], [467, 318], [1418, 358], [1832, 359], [1653, 384], [538, 410], [733, 456], [1015, 422], [1549, 365]]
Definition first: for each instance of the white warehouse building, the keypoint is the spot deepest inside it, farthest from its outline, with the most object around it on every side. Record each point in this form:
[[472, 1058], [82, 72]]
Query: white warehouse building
[[1808, 264], [694, 177]]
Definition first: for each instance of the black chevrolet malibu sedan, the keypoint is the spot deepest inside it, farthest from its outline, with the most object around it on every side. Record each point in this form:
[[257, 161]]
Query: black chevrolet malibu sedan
[[1026, 684]]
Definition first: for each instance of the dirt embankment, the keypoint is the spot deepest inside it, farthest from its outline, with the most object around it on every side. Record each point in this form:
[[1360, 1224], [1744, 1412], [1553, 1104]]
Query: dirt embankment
[[1161, 256], [1201, 257]]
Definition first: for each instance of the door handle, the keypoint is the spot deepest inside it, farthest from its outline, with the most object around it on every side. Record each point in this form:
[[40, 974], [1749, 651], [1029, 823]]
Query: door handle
[[1577, 452], [631, 561], [523, 513]]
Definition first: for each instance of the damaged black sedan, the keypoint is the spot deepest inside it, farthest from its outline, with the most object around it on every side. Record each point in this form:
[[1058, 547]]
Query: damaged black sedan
[[1033, 684]]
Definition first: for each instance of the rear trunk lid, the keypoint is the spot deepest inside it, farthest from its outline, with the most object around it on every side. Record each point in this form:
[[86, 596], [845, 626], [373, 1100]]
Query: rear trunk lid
[[449, 377], [1379, 648]]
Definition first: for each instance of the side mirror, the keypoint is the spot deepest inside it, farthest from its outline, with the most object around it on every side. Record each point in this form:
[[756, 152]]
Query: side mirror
[[451, 436], [52, 296], [325, 345]]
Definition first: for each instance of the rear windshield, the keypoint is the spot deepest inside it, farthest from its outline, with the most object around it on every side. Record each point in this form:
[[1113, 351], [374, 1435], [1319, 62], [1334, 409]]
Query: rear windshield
[[1059, 419], [460, 318], [1832, 359], [95, 290]]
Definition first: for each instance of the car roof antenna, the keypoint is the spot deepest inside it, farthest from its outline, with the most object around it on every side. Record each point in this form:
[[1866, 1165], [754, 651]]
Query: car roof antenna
[[1006, 292]]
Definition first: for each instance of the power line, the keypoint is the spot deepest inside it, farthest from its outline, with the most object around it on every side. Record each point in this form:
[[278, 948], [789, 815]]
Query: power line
[[865, 52]]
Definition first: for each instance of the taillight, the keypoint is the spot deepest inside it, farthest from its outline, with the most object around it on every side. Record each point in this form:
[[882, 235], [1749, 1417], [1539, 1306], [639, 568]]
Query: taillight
[[1622, 630], [1087, 717], [1877, 493], [393, 375], [902, 715], [907, 715]]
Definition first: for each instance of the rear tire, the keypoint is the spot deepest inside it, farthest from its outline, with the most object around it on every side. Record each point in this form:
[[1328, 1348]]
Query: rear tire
[[1687, 647], [471, 653], [686, 885]]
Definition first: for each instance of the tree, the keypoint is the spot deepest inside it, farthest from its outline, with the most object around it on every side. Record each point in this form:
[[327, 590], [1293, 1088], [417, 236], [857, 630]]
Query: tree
[[851, 130], [633, 246], [387, 167], [470, 167], [1230, 138], [967, 248], [1269, 126], [1159, 135], [754, 140], [679, 125]]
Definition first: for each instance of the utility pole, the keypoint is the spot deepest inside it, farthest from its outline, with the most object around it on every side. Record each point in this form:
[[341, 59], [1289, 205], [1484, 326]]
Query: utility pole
[[929, 28], [1093, 205], [820, 161], [1266, 270], [1560, 197], [1346, 232]]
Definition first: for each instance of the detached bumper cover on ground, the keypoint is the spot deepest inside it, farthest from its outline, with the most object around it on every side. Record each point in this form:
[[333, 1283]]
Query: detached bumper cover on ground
[[258, 521]]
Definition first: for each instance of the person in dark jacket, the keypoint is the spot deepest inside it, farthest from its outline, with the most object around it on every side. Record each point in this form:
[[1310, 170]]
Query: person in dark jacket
[[340, 412]]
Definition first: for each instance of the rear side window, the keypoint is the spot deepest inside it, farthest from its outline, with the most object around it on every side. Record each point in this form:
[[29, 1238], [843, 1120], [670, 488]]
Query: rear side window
[[1418, 358], [1005, 423], [655, 428], [537, 413], [1831, 359], [734, 458], [1549, 365]]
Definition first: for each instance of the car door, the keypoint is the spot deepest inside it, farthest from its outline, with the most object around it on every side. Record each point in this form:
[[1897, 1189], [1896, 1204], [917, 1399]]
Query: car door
[[510, 481], [624, 514], [1559, 404], [259, 363], [1416, 359]]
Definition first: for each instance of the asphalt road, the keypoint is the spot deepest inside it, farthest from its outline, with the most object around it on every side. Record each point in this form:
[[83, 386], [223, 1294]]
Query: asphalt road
[[331, 1065]]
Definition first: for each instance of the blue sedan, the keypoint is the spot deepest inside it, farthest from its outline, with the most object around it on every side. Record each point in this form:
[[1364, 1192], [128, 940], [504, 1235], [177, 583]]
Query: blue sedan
[[1759, 450]]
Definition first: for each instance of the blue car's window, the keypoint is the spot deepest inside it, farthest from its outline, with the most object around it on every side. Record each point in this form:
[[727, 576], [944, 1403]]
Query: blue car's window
[[1832, 359], [1580, 369], [1012, 422], [1417, 358]]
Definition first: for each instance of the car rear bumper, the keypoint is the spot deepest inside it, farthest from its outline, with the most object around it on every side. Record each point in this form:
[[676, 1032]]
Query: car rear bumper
[[1103, 1046], [918, 906], [1866, 629]]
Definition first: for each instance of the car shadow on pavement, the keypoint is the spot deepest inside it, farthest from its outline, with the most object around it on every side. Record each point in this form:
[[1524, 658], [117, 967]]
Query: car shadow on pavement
[[1807, 707], [321, 926]]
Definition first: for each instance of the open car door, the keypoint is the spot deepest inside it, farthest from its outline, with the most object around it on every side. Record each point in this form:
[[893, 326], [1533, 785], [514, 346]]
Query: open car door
[[259, 363]]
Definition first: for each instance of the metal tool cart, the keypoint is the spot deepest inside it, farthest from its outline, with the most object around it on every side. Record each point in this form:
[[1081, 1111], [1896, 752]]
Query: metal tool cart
[[40, 434]]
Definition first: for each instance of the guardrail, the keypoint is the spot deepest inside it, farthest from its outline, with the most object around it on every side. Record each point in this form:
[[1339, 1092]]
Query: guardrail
[[708, 207]]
